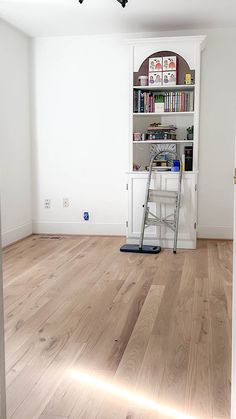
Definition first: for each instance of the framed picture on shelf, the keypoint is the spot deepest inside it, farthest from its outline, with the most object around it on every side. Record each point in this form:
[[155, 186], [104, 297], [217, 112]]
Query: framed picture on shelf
[[155, 64], [155, 79], [169, 78], [170, 63]]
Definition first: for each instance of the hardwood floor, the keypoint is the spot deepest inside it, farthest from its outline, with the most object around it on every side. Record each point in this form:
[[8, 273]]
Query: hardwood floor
[[95, 333]]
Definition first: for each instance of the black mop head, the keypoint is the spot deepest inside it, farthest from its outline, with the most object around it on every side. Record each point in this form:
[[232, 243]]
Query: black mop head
[[134, 248]]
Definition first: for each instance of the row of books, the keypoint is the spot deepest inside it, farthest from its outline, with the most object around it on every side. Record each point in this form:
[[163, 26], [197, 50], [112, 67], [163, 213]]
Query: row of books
[[145, 102]]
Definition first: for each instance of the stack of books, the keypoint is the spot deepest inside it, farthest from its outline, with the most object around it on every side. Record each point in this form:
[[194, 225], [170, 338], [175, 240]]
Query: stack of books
[[161, 132], [149, 102]]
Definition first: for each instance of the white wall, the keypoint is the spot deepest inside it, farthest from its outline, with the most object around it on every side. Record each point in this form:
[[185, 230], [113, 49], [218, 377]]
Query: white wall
[[218, 117], [15, 148], [81, 133]]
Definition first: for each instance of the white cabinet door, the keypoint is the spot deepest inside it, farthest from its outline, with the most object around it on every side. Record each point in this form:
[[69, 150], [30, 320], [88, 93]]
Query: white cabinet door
[[137, 190], [162, 235], [187, 216]]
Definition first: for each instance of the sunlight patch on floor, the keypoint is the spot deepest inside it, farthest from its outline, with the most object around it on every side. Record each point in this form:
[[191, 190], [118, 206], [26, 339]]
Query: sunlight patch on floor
[[120, 392]]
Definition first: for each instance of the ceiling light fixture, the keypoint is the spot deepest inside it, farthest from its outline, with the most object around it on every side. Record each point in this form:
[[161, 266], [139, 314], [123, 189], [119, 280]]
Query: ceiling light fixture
[[122, 2]]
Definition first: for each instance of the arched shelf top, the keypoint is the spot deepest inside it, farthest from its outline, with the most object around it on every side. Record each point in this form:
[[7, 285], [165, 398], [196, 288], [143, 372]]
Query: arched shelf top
[[188, 47], [140, 58], [183, 65], [190, 51], [166, 54]]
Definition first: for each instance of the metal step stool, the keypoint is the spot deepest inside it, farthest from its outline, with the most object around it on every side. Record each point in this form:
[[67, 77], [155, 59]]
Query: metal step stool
[[159, 197]]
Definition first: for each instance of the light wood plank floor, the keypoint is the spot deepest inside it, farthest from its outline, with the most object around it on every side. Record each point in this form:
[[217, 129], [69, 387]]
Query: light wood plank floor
[[94, 333]]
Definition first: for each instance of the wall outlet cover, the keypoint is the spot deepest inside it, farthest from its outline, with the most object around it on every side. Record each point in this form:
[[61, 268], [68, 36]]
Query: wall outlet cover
[[47, 203], [66, 203]]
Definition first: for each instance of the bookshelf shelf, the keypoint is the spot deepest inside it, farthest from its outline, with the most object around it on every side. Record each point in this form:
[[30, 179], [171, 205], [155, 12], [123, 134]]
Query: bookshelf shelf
[[164, 142], [162, 113], [165, 88], [145, 173]]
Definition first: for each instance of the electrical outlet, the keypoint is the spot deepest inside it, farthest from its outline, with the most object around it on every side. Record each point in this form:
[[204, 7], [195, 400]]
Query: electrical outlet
[[66, 203], [47, 203]]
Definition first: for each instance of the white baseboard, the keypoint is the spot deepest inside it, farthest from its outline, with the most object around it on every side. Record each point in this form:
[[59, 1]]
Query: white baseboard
[[41, 227], [218, 232], [86, 228], [15, 234]]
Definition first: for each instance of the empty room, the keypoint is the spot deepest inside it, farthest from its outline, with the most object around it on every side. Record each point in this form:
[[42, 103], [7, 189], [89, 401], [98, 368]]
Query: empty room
[[117, 174]]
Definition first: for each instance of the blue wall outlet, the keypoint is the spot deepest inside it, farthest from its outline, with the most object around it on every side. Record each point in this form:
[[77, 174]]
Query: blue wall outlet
[[86, 216]]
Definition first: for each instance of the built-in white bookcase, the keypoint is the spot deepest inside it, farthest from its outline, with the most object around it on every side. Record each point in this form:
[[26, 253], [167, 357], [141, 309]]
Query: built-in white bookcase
[[188, 51]]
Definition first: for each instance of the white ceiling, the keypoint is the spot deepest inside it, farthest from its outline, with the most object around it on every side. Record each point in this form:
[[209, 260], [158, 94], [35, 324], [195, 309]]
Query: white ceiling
[[68, 17]]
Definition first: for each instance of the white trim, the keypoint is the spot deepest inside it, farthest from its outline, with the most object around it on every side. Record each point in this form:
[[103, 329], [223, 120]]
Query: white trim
[[3, 414], [215, 232], [153, 40], [15, 234], [233, 368], [233, 353], [55, 227]]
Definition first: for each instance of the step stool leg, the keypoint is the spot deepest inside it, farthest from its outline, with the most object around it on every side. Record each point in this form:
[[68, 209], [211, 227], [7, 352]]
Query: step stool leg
[[145, 212], [176, 224]]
